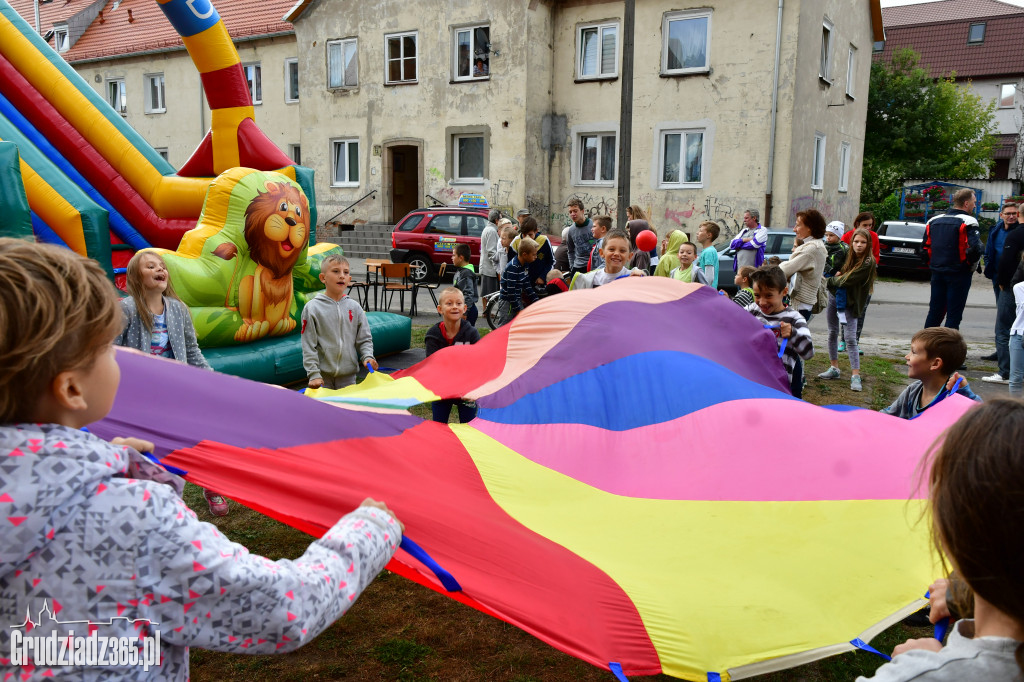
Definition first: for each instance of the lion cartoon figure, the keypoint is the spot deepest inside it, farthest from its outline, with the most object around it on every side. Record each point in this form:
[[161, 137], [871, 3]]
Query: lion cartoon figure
[[276, 230]]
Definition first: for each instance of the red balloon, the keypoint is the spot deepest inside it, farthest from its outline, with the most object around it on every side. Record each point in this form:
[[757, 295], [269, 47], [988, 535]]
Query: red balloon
[[646, 241]]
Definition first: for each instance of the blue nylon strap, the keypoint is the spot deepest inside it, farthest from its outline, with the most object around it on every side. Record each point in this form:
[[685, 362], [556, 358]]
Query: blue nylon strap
[[418, 553], [714, 677], [861, 644], [940, 396], [785, 342], [369, 368], [616, 669], [172, 469]]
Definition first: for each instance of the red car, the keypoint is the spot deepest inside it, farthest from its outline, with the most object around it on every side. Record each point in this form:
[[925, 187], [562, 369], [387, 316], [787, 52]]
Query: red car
[[425, 238]]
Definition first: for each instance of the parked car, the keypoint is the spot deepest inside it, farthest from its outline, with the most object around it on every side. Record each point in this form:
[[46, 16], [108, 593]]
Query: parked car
[[425, 237], [901, 246], [780, 243]]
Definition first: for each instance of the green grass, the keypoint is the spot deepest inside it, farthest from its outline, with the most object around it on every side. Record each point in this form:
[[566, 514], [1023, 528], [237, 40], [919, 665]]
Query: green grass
[[399, 630]]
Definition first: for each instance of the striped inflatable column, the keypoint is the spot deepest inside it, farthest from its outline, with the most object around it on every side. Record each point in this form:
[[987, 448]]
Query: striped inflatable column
[[233, 140]]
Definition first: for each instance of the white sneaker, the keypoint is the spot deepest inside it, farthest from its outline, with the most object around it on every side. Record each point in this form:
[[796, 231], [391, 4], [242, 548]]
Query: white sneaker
[[996, 378]]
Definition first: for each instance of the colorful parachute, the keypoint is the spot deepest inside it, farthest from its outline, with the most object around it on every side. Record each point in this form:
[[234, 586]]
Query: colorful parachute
[[639, 490]]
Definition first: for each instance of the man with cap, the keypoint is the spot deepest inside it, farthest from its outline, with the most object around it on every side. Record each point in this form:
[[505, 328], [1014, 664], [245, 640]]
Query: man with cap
[[521, 215]]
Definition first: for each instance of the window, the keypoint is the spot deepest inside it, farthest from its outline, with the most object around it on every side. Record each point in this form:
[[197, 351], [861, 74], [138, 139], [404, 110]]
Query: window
[[596, 158], [60, 39], [471, 53], [851, 71], [295, 152], [475, 225], [844, 166], [825, 63], [976, 34], [400, 57], [468, 153], [878, 46], [818, 171], [686, 38], [446, 224], [1007, 92], [291, 80], [162, 151], [342, 63], [682, 158], [117, 96], [345, 163], [254, 79], [597, 51], [155, 94]]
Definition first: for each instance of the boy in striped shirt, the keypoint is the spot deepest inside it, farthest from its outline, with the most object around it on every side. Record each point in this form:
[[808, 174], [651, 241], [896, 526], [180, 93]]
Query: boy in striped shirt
[[770, 287], [515, 281]]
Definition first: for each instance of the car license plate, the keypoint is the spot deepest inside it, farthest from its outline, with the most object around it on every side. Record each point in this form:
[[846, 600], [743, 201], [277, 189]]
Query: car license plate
[[902, 249]]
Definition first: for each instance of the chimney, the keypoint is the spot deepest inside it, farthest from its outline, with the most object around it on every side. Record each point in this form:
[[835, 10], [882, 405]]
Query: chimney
[[131, 19]]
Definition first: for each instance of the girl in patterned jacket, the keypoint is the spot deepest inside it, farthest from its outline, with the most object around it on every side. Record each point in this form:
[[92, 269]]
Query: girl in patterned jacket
[[86, 546]]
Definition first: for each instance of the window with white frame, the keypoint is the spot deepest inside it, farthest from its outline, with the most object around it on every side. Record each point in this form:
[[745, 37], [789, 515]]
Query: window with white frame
[[61, 42], [682, 158], [342, 63], [254, 80], [597, 49], [851, 71], [400, 57], [117, 96], [596, 158], [345, 163], [825, 61], [686, 42], [471, 53], [291, 80], [818, 170], [155, 94], [1007, 92], [844, 166], [468, 158]]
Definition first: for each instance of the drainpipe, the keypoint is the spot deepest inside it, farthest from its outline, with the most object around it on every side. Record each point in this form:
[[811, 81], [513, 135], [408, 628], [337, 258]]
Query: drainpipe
[[625, 113], [35, 6], [771, 135], [202, 113]]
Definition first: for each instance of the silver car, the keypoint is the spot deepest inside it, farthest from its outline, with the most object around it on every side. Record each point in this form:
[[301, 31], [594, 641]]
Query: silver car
[[780, 243]]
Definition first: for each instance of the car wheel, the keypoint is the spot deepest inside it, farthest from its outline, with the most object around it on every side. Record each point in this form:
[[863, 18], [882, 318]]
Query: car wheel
[[419, 267]]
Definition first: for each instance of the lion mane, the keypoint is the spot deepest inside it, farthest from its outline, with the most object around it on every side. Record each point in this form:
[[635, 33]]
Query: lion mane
[[280, 199]]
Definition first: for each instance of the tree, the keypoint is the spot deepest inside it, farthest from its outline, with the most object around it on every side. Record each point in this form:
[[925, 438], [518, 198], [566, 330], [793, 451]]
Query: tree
[[920, 127]]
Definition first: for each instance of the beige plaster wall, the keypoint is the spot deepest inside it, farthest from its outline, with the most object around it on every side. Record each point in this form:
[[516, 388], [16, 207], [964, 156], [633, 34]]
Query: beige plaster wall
[[420, 113]]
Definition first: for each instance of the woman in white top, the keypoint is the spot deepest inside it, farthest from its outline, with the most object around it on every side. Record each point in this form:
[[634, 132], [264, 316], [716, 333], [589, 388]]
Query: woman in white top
[[807, 261]]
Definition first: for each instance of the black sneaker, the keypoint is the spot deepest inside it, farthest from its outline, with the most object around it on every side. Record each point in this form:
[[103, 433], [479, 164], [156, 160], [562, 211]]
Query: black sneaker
[[992, 357]]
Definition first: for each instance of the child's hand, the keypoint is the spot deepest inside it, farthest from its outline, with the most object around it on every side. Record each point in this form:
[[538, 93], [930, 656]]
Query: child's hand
[[924, 644], [316, 383], [636, 272], [136, 444], [953, 379], [937, 600], [370, 502], [373, 363], [785, 330]]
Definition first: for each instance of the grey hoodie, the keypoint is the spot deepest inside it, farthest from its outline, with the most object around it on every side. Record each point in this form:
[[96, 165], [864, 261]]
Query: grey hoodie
[[336, 339], [83, 540]]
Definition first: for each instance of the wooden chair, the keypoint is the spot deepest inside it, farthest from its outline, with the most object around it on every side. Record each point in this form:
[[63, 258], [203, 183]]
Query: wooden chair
[[356, 286], [432, 286], [396, 279], [373, 279]]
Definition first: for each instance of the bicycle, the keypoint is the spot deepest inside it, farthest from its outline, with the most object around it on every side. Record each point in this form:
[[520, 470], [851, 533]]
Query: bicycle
[[498, 312]]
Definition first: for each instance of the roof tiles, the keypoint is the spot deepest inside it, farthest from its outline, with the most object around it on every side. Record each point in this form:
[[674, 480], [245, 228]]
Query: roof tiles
[[944, 49], [945, 10]]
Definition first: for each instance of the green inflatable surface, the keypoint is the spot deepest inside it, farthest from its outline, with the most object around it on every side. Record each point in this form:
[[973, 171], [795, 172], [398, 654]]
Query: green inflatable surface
[[278, 360], [14, 208]]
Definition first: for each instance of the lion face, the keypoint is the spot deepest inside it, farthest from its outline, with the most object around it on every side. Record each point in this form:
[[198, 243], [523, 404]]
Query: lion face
[[277, 227]]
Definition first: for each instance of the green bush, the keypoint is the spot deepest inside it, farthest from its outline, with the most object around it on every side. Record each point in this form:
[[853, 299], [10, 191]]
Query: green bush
[[887, 209]]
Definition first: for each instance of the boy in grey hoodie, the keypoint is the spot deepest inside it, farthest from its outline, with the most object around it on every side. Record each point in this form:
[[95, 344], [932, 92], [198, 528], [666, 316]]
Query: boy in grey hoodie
[[336, 339]]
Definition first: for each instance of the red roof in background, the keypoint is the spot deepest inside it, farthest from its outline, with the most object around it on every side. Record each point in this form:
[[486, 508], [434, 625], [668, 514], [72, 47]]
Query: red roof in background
[[945, 10], [50, 13], [115, 36], [943, 45]]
